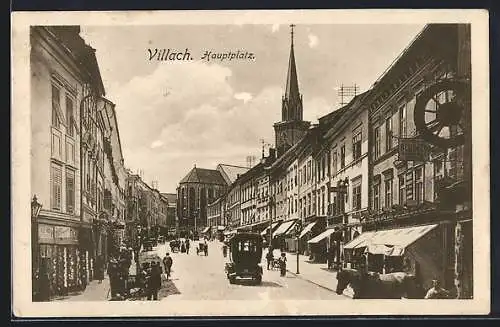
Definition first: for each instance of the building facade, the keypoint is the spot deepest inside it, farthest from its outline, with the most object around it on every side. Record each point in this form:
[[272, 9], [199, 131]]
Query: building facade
[[63, 73], [195, 191]]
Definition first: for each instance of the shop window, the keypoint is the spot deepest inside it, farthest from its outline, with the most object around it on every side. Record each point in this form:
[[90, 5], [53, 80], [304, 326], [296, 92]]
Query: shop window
[[419, 185]]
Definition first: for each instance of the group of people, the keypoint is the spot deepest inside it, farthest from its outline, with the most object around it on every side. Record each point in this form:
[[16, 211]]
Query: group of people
[[151, 276], [281, 261], [117, 270]]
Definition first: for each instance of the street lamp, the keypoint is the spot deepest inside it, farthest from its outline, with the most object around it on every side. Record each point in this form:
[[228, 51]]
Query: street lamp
[[35, 211], [298, 230]]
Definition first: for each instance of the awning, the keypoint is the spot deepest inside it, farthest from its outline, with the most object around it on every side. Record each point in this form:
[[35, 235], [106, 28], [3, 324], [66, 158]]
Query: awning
[[391, 242], [360, 241], [231, 232], [307, 229], [322, 236], [220, 228], [206, 229], [265, 231], [284, 227]]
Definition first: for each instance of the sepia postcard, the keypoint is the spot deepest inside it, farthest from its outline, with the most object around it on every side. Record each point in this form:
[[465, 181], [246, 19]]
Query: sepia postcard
[[250, 163]]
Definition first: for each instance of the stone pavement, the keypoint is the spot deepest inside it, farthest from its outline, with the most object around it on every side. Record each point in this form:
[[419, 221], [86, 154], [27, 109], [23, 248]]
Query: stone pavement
[[93, 292]]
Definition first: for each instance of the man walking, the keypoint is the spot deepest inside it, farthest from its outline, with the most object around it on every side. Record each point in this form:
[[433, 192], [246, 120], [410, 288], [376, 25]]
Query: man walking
[[187, 246], [269, 258], [154, 284], [167, 263]]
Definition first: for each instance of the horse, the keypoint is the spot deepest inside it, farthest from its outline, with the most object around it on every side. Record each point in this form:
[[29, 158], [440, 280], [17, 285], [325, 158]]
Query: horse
[[395, 285]]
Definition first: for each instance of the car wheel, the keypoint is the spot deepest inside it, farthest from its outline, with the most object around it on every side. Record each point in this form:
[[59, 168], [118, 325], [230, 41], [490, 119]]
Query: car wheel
[[258, 280], [232, 280]]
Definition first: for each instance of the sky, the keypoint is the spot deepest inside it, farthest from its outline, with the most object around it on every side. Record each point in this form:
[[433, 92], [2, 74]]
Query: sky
[[173, 115]]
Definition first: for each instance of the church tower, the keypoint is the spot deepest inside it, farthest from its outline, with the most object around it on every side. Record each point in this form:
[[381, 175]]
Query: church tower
[[291, 128]]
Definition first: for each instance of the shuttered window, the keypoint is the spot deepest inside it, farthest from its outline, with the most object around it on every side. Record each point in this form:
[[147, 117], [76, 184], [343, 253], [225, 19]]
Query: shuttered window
[[56, 106], [70, 191], [56, 187]]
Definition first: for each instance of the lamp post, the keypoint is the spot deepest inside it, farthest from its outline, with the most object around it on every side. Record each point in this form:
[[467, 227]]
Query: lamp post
[[298, 230], [35, 211]]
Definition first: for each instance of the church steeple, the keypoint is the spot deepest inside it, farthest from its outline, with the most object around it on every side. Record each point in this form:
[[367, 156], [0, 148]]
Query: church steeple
[[292, 127], [292, 100]]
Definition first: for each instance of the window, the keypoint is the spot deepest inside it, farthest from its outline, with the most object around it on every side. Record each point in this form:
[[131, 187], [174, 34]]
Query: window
[[56, 187], [356, 146], [342, 156], [377, 142], [70, 191], [356, 195], [402, 121], [334, 162], [295, 207], [309, 204], [56, 106], [402, 192], [388, 134], [70, 116], [322, 201], [56, 144], [70, 153], [388, 192], [376, 196], [419, 185], [409, 185]]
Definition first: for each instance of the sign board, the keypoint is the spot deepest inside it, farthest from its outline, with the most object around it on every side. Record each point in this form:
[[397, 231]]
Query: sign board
[[45, 233], [65, 233], [413, 149]]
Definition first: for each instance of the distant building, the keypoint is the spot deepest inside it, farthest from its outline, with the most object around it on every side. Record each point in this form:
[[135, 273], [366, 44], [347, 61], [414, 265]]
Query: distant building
[[171, 221], [198, 188]]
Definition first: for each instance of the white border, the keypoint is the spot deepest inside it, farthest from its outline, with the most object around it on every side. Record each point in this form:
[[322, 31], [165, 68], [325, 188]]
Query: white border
[[22, 305]]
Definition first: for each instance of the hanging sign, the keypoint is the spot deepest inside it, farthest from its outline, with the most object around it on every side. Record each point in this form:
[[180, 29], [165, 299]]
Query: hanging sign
[[413, 149]]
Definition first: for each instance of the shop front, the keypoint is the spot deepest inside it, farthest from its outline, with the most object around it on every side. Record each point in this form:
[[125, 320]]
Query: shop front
[[62, 261], [281, 236]]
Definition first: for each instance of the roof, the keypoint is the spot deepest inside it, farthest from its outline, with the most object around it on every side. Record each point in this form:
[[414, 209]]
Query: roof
[[171, 197], [230, 172], [82, 52], [203, 176]]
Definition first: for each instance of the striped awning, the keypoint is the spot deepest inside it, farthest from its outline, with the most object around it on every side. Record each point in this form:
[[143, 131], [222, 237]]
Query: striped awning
[[266, 231], [283, 229], [322, 236], [206, 229], [307, 229]]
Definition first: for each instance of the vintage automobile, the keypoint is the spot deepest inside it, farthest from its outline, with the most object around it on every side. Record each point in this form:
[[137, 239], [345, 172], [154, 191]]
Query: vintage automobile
[[245, 257]]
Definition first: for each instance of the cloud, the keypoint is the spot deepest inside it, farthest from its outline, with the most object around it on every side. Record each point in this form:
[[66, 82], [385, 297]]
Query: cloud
[[275, 28], [245, 96], [313, 40], [156, 144]]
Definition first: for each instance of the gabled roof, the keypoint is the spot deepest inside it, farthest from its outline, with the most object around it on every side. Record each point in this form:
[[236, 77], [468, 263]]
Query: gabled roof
[[230, 173], [203, 176]]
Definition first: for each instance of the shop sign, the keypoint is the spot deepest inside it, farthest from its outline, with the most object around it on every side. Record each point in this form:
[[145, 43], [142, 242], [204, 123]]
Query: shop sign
[[413, 149], [45, 233], [65, 233]]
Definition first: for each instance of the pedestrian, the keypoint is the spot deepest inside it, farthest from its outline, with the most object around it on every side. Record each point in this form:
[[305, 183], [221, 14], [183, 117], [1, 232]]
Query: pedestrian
[[436, 291], [187, 246], [154, 283], [113, 275], [269, 258], [282, 262], [205, 248], [183, 247], [224, 250], [167, 263], [99, 263]]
